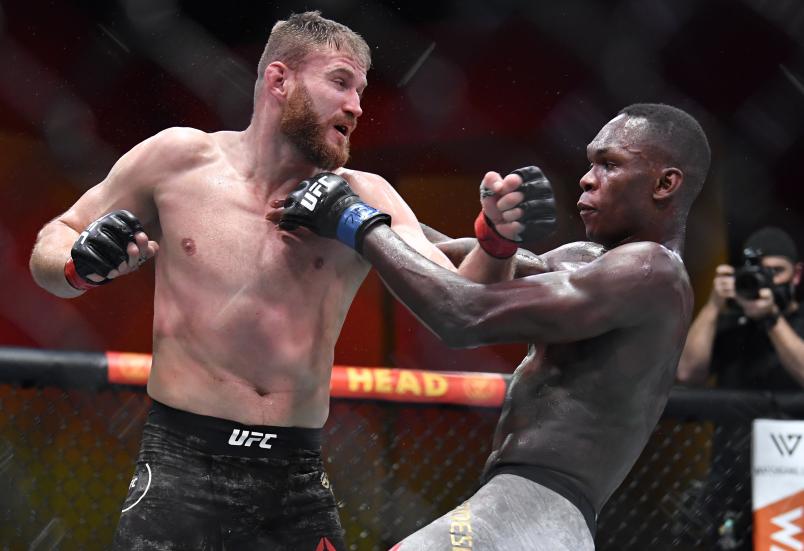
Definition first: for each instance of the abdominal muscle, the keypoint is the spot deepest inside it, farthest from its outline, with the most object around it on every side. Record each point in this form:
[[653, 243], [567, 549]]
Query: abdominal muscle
[[259, 353]]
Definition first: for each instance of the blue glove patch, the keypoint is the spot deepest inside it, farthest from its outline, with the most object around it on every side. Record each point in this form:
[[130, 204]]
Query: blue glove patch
[[350, 221]]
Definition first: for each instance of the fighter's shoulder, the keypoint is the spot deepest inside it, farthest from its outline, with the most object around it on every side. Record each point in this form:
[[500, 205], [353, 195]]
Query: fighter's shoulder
[[648, 261], [573, 254], [176, 148], [363, 182], [375, 190]]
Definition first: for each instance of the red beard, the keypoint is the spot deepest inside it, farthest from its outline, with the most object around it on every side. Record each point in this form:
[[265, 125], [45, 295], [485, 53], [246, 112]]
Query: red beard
[[300, 124]]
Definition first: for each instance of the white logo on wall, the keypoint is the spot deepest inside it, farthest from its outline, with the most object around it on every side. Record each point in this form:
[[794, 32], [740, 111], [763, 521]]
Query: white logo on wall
[[786, 444], [247, 438]]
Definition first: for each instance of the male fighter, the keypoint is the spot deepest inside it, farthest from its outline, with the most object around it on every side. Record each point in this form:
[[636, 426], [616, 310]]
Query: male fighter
[[606, 323], [245, 315]]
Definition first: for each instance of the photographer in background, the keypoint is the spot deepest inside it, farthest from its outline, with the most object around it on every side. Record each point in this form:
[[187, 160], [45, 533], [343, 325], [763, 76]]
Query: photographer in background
[[750, 331], [749, 334]]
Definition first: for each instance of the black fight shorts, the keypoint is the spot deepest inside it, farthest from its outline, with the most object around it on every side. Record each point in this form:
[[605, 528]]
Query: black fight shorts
[[203, 483]]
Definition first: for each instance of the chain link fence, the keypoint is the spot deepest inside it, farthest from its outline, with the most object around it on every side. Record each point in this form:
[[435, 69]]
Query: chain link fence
[[66, 457]]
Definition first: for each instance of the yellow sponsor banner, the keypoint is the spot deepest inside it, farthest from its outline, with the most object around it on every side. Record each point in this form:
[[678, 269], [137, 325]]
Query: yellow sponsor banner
[[377, 383], [413, 385]]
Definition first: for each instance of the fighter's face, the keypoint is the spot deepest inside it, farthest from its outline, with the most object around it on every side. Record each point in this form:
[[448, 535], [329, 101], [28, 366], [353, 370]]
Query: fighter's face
[[323, 107], [617, 190]]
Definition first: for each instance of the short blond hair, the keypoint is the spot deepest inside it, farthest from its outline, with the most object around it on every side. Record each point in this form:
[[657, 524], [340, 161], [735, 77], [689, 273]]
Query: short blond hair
[[292, 40]]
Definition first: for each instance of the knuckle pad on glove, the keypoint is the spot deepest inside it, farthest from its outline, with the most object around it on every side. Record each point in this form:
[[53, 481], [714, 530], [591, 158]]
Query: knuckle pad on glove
[[86, 263], [536, 190], [129, 220], [540, 209], [528, 173], [102, 247], [110, 247]]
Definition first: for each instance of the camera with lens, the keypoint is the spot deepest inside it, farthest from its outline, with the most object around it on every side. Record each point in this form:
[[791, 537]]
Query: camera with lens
[[752, 275]]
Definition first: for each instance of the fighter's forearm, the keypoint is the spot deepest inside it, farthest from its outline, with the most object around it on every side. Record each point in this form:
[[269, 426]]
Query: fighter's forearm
[[50, 253], [790, 349], [441, 299]]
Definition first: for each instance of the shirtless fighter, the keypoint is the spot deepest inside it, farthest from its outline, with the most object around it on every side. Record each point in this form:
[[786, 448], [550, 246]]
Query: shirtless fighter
[[245, 315], [606, 323]]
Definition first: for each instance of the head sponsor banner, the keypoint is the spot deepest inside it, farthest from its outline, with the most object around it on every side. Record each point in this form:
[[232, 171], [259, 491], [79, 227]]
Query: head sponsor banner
[[778, 485], [418, 386], [379, 383]]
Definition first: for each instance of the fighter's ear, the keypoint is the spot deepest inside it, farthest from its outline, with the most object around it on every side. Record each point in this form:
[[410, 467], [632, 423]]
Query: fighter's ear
[[275, 79], [668, 183]]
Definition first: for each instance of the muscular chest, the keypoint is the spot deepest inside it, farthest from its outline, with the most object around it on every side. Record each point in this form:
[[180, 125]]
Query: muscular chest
[[216, 228]]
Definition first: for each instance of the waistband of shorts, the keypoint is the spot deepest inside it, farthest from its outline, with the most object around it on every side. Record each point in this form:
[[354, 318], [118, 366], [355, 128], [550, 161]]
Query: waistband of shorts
[[224, 437], [552, 480]]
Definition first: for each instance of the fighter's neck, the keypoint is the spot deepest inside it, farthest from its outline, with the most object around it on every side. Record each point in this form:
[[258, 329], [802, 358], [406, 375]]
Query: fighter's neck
[[673, 242], [264, 156]]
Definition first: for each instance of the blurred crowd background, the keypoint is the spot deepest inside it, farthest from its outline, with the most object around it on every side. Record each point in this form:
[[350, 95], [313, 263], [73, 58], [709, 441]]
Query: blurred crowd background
[[457, 88]]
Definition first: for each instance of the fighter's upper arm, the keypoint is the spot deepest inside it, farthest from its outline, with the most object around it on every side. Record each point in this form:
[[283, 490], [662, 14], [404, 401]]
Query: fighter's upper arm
[[132, 181], [619, 289], [378, 193]]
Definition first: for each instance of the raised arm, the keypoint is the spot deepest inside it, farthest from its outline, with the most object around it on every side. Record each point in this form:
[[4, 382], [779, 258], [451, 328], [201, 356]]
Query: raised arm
[[376, 194], [130, 186], [617, 290]]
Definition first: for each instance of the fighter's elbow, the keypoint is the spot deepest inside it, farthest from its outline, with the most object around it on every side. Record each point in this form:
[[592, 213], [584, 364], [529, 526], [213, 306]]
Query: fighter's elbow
[[461, 332], [49, 277], [456, 319], [448, 325], [36, 269]]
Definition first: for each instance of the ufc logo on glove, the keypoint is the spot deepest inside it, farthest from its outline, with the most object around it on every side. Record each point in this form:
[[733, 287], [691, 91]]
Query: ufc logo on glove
[[311, 196]]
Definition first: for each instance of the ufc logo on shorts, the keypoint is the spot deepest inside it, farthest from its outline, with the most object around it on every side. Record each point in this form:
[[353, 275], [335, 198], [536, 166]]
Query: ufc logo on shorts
[[247, 438], [311, 196]]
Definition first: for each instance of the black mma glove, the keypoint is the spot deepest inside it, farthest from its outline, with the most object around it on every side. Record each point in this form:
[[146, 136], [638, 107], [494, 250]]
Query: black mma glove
[[538, 214], [326, 205], [101, 248], [538, 205]]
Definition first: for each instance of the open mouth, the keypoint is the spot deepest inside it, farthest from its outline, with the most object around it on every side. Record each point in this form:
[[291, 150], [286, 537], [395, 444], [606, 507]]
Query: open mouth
[[342, 129]]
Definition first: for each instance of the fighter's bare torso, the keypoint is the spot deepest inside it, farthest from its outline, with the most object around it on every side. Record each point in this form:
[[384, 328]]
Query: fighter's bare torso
[[245, 315], [565, 411]]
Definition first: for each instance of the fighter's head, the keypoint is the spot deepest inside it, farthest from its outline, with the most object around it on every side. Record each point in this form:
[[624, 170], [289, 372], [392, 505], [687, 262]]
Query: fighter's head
[[313, 71], [647, 165]]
